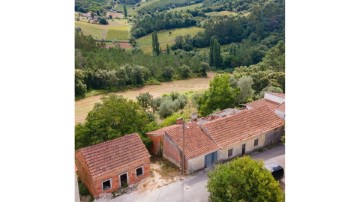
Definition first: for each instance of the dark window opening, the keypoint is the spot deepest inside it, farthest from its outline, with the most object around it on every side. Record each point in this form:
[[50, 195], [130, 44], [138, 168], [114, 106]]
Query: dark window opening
[[139, 171], [256, 142], [106, 184], [230, 152]]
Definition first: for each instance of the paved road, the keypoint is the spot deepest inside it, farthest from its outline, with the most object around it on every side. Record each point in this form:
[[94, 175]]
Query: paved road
[[193, 188]]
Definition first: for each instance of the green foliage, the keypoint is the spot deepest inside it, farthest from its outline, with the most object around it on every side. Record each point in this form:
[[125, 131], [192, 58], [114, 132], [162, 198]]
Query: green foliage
[[219, 96], [144, 100], [275, 57], [83, 190], [170, 120], [168, 104], [155, 44], [185, 72], [246, 92], [80, 86], [214, 55], [168, 73], [114, 117], [125, 12], [103, 21], [243, 179], [166, 5]]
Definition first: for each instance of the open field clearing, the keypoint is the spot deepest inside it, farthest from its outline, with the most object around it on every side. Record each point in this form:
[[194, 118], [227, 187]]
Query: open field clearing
[[115, 30], [84, 106], [192, 7], [206, 50], [222, 13], [166, 38]]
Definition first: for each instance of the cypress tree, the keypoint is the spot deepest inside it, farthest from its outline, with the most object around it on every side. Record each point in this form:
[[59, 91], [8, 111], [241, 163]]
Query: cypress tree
[[125, 11]]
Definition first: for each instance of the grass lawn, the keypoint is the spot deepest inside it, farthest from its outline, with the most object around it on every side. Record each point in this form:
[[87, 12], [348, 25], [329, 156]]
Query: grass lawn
[[115, 30], [130, 9], [192, 7], [166, 38]]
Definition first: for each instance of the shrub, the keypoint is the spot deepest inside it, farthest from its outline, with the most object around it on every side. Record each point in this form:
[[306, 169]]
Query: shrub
[[83, 189]]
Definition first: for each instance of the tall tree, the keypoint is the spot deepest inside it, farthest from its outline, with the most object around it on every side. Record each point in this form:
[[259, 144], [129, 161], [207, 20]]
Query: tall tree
[[114, 117], [214, 54], [167, 49], [243, 179], [211, 53], [155, 44], [144, 100], [219, 96], [125, 11], [246, 92]]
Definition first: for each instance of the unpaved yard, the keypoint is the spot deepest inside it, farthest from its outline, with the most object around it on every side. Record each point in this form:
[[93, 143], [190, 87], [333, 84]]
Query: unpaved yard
[[84, 106]]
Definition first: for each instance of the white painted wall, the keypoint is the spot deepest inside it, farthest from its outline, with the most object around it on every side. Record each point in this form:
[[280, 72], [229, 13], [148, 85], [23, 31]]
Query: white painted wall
[[280, 114], [274, 98], [237, 147], [196, 163]]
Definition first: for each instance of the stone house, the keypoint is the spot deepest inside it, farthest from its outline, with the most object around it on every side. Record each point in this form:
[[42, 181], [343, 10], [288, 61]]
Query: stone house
[[114, 164], [275, 101], [224, 138]]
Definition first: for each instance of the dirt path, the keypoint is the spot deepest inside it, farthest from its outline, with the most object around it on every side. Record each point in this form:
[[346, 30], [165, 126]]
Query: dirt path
[[84, 106]]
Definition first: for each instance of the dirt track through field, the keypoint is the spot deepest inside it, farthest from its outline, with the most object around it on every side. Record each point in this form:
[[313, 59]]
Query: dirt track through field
[[84, 106]]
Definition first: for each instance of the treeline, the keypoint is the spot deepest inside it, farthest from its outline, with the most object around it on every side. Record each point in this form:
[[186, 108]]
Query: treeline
[[112, 69], [166, 5], [148, 23], [261, 23], [96, 6], [231, 5], [130, 2]]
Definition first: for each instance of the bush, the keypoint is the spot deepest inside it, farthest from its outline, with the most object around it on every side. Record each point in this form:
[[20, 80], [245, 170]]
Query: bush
[[83, 189], [170, 120], [166, 108]]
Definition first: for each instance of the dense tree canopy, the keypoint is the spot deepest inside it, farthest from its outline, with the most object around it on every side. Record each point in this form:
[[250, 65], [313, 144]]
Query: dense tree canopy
[[114, 117], [243, 179], [219, 96]]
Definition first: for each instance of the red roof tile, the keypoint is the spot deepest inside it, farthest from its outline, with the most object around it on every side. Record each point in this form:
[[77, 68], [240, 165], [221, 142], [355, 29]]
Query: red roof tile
[[281, 107], [197, 142], [228, 130], [161, 131], [107, 156], [259, 103]]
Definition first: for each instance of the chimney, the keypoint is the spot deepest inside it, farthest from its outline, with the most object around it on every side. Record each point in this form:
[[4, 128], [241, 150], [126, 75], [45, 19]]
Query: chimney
[[179, 120], [194, 117]]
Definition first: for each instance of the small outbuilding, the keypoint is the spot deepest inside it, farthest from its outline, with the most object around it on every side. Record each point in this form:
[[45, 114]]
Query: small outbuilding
[[114, 164]]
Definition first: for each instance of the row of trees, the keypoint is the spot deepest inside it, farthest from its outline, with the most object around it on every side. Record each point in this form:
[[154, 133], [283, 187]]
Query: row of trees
[[114, 68], [149, 23], [158, 6]]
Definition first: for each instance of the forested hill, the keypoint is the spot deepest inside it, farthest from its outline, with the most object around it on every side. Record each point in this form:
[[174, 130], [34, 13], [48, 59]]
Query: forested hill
[[178, 39]]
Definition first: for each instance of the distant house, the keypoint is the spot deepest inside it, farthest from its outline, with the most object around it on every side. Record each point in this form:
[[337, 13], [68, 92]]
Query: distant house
[[275, 101], [233, 134], [108, 166]]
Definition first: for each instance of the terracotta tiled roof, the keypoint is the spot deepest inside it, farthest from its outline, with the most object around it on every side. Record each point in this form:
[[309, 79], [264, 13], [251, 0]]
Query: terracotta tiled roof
[[259, 103], [107, 156], [281, 107], [197, 142], [228, 130], [161, 131], [282, 95]]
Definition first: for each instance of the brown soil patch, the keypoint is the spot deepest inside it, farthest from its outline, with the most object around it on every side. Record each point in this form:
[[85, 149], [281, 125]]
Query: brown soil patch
[[84, 106]]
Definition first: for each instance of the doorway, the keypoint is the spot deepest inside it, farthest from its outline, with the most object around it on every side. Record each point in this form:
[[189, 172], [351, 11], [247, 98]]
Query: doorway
[[210, 159], [243, 149], [123, 180]]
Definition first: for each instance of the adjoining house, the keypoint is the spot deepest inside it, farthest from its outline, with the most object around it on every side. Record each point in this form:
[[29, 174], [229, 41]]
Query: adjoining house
[[244, 132], [199, 150], [114, 164], [275, 101], [206, 143], [157, 138]]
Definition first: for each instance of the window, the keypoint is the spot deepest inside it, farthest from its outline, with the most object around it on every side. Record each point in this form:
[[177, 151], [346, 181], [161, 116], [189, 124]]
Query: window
[[139, 171], [106, 184], [230, 152], [256, 142]]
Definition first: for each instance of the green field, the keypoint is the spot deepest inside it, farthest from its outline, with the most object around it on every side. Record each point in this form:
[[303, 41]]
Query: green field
[[166, 38], [192, 7], [116, 30], [130, 9], [206, 50]]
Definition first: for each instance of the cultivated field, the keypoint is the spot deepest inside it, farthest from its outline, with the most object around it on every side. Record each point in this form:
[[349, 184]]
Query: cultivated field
[[84, 106], [222, 13], [166, 38], [115, 30]]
